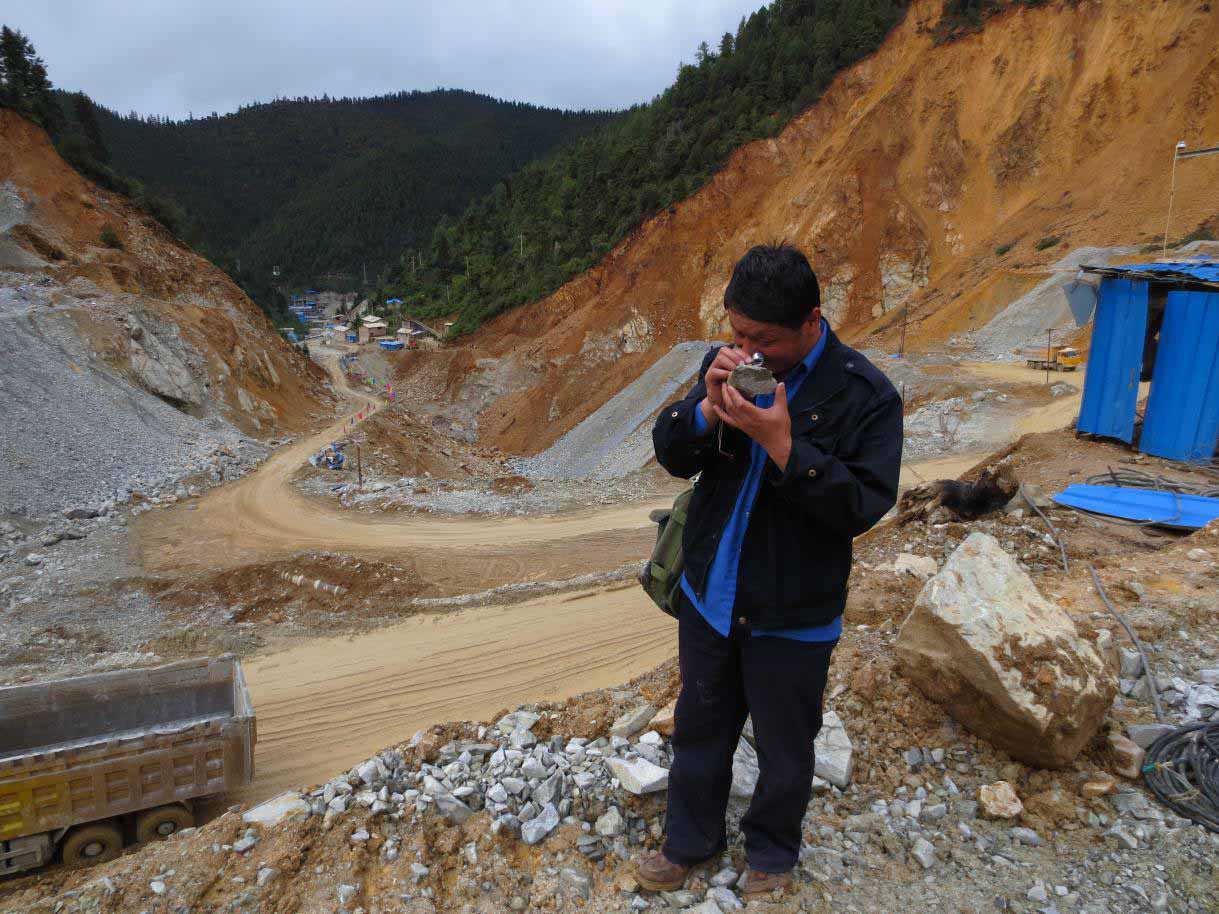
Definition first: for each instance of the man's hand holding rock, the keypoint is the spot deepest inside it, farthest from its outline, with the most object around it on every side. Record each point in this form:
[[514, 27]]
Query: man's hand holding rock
[[716, 380], [770, 427]]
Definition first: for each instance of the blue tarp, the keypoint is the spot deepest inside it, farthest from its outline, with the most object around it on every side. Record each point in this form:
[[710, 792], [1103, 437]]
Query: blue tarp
[[391, 344], [1168, 509], [393, 301]]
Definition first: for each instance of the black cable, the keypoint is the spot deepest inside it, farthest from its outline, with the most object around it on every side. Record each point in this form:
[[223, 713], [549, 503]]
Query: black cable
[[1140, 479], [1143, 661], [1182, 769], [1054, 534]]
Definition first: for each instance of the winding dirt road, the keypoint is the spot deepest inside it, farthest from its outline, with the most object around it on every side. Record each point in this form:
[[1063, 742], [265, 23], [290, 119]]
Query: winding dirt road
[[262, 516], [326, 703]]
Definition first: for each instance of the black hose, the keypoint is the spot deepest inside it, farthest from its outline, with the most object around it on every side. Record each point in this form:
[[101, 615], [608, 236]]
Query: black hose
[[1054, 534], [1182, 769], [1152, 687], [1139, 479]]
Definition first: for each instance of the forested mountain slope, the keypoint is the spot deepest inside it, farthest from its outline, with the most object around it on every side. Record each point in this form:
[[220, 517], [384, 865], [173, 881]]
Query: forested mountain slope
[[561, 215], [320, 186]]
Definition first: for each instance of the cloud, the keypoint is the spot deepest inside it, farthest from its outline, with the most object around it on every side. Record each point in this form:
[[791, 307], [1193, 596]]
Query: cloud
[[178, 57]]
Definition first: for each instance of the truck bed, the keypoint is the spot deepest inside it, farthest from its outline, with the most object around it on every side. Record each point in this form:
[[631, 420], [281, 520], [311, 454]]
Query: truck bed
[[93, 747]]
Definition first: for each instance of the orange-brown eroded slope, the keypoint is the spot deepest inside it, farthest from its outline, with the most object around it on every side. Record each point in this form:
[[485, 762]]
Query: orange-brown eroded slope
[[900, 183], [51, 224]]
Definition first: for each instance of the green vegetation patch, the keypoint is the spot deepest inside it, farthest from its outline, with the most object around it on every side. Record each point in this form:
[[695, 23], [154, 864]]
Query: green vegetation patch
[[558, 217]]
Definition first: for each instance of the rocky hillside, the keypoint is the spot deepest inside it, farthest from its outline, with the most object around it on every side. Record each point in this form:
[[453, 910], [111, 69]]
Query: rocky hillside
[[1051, 128], [125, 359], [544, 808]]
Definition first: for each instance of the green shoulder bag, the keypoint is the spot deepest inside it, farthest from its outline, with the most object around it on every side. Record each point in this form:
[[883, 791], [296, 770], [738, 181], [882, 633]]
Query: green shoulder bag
[[661, 575]]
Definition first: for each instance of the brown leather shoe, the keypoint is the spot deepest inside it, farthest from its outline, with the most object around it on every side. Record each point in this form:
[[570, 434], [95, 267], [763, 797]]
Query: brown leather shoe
[[759, 883], [657, 873]]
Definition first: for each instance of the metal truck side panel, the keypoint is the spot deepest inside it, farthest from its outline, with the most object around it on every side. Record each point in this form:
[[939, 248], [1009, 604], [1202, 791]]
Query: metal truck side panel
[[97, 775]]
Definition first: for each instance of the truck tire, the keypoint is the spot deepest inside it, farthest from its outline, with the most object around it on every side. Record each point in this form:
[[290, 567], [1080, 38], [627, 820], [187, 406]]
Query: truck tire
[[160, 822], [96, 842]]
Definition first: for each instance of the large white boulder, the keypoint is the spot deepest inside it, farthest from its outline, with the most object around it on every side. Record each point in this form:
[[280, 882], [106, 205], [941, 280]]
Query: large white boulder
[[285, 806], [1003, 660], [832, 757]]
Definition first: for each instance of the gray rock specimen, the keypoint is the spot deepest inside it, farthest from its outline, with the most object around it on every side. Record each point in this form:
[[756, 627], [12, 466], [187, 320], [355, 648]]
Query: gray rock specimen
[[833, 751], [611, 824], [633, 721], [277, 809], [752, 380], [924, 852], [744, 769], [537, 828]]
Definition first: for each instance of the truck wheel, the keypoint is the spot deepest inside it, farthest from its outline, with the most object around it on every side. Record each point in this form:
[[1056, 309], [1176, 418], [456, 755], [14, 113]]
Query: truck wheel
[[159, 823], [94, 843]]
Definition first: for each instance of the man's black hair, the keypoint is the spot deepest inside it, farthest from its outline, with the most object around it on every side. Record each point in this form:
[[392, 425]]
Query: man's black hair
[[773, 283]]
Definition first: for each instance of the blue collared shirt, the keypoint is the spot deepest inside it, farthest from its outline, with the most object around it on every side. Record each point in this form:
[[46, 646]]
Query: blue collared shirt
[[716, 607]]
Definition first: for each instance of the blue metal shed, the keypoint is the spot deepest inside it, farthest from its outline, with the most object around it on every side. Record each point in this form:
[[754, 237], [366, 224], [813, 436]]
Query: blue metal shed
[[1160, 319]]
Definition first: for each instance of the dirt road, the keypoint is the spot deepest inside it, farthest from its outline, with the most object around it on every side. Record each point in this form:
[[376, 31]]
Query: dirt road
[[262, 516], [329, 703]]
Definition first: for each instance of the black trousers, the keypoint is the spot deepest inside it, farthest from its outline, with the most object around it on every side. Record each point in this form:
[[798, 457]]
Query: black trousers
[[780, 682]]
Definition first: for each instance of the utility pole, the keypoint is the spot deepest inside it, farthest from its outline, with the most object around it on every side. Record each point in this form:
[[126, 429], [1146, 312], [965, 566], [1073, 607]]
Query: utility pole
[[901, 346], [1172, 192], [522, 254], [1180, 153]]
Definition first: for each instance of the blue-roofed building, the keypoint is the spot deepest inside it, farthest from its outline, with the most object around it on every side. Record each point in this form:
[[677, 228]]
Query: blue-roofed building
[[1156, 322]]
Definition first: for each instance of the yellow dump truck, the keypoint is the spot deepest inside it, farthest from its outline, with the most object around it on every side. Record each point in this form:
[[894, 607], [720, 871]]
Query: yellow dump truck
[[1052, 358], [91, 763]]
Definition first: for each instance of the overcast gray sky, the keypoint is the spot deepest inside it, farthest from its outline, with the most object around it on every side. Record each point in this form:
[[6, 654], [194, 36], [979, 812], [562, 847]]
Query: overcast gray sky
[[174, 57]]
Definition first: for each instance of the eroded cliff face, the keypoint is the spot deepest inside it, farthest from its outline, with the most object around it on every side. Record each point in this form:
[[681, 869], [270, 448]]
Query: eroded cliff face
[[900, 183], [125, 365], [151, 312]]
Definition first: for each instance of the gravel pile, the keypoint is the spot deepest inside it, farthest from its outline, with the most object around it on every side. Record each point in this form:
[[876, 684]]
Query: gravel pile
[[1024, 322], [957, 425], [616, 439], [458, 497], [76, 434]]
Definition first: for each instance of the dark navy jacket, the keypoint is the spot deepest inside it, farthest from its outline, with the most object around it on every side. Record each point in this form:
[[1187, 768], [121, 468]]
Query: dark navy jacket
[[840, 479]]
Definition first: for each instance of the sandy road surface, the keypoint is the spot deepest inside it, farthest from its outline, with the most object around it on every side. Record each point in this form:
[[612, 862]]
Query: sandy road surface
[[327, 704], [262, 516]]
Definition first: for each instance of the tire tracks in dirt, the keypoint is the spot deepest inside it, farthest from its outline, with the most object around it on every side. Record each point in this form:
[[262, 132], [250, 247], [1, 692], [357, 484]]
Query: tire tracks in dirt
[[325, 704]]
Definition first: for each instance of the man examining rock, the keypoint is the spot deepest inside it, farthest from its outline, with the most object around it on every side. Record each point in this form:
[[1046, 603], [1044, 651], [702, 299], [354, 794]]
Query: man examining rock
[[784, 485]]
